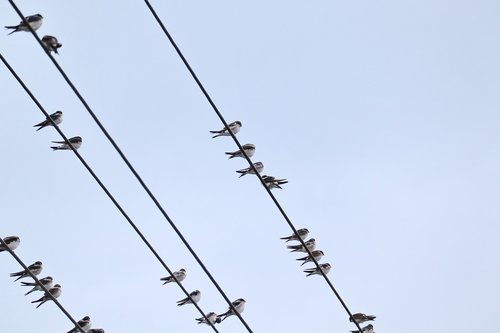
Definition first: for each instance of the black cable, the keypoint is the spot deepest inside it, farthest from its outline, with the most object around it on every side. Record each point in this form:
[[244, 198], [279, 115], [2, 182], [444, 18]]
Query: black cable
[[209, 99], [46, 291], [103, 187], [132, 169]]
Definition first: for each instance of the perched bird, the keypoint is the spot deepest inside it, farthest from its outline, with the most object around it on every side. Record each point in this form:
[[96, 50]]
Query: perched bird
[[195, 296], [310, 244], [56, 117], [248, 148], [367, 329], [239, 305], [249, 171], [95, 330], [35, 269], [212, 317], [75, 141], [361, 318], [84, 323], [50, 43], [35, 21], [271, 182], [47, 282], [180, 275], [12, 243], [302, 233], [312, 271], [318, 254], [55, 291], [234, 127]]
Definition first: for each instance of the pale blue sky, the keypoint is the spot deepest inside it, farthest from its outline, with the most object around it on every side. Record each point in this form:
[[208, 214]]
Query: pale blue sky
[[384, 116]]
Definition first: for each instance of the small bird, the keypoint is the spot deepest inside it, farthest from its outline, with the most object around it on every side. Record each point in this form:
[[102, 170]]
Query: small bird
[[180, 275], [361, 318], [310, 244], [212, 317], [95, 330], [302, 233], [75, 141], [195, 296], [35, 21], [271, 182], [249, 171], [47, 282], [50, 43], [12, 243], [318, 254], [84, 323], [56, 117], [367, 329], [35, 269], [312, 271], [234, 127], [248, 148], [239, 305], [55, 291]]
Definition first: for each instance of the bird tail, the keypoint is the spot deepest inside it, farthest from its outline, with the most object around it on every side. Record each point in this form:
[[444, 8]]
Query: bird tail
[[224, 315], [371, 317], [20, 277], [25, 284], [39, 305], [11, 27], [55, 148], [29, 292], [16, 274], [38, 300], [287, 238]]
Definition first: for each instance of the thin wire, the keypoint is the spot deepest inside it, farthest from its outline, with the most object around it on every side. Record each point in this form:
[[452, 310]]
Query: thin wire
[[209, 99], [103, 187], [47, 293], [132, 169]]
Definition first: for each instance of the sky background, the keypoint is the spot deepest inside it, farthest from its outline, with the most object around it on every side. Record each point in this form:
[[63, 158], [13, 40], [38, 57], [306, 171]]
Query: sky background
[[383, 115]]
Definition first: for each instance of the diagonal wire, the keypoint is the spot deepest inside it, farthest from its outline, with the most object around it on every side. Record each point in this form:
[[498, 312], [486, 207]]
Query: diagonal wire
[[103, 187]]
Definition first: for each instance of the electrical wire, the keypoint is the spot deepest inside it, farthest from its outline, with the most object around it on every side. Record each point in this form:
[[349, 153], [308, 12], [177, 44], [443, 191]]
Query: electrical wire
[[103, 187]]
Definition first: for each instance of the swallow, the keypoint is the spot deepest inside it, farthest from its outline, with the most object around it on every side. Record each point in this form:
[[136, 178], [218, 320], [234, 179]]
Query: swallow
[[212, 317], [55, 291], [239, 305], [50, 43], [195, 296], [84, 323], [316, 255], [361, 318], [249, 171], [95, 330], [310, 244], [302, 233], [312, 271], [248, 148], [47, 282], [75, 141], [35, 269], [234, 127], [56, 117], [271, 182], [367, 329], [12, 243], [180, 275], [35, 21]]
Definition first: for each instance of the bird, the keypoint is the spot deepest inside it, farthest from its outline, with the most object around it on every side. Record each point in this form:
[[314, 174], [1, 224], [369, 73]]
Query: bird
[[47, 282], [318, 254], [95, 330], [324, 267], [35, 21], [271, 182], [180, 275], [239, 305], [212, 318], [35, 269], [195, 296], [12, 243], [234, 127], [50, 43], [84, 323], [367, 329], [361, 318], [55, 291], [302, 233], [249, 171], [310, 244], [57, 118], [75, 141], [248, 148]]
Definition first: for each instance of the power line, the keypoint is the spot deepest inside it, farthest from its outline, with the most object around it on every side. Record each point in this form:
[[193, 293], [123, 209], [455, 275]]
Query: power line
[[45, 290], [221, 117], [103, 187]]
